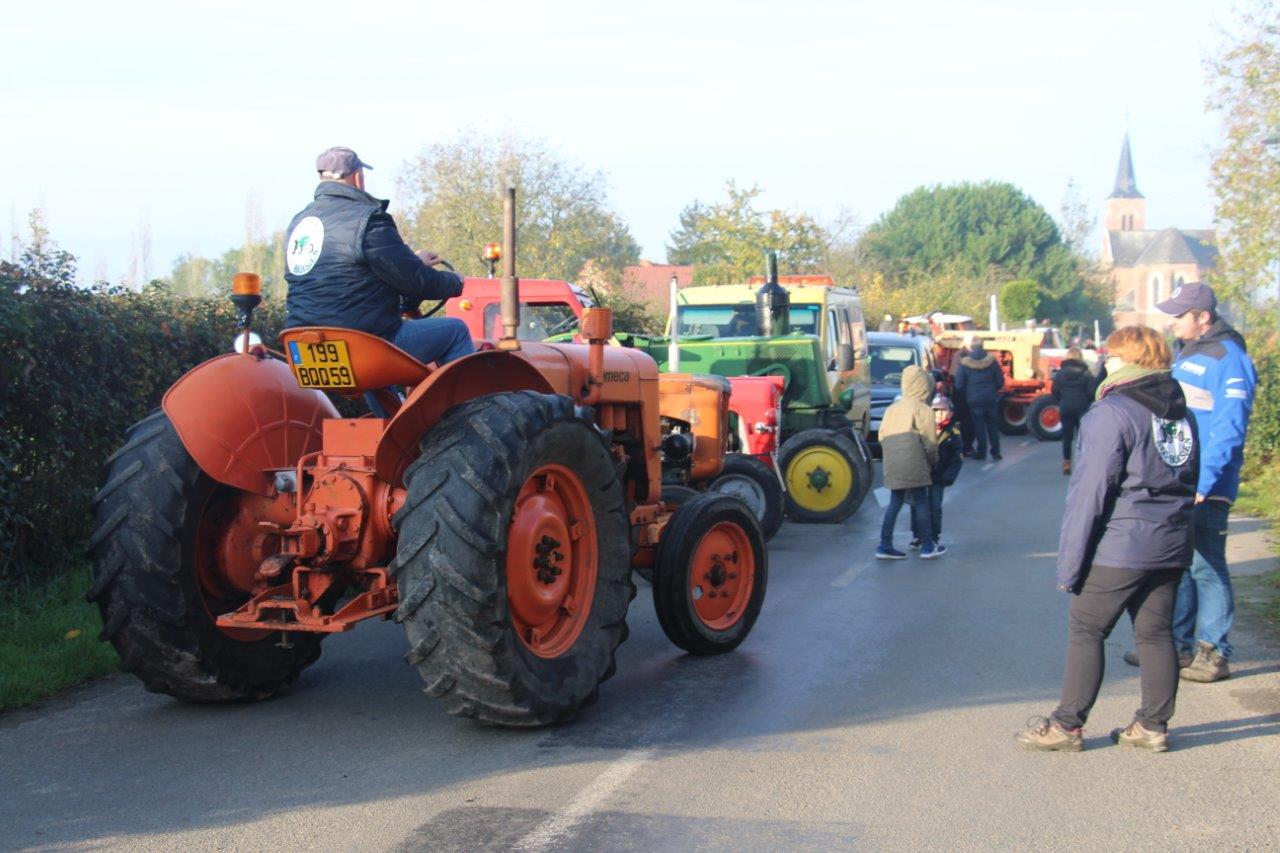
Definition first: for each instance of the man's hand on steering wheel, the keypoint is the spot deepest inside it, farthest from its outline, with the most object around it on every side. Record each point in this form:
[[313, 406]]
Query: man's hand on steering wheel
[[410, 308]]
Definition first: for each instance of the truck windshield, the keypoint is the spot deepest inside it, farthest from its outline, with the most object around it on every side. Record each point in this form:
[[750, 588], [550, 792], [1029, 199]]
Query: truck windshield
[[888, 362], [735, 321], [537, 321]]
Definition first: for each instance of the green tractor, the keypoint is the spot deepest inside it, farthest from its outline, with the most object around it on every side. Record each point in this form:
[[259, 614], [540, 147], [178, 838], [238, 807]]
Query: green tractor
[[810, 333]]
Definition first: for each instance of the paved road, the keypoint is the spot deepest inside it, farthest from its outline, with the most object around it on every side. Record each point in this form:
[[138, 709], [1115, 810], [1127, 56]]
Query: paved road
[[873, 707]]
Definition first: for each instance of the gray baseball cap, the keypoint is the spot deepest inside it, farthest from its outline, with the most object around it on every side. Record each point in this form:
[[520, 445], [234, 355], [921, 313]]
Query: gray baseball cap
[[340, 161], [1193, 296]]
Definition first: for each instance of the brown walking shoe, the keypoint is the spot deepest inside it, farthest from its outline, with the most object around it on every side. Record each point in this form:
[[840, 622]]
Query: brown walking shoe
[[1208, 665], [1184, 659], [1136, 735], [1066, 466], [1045, 735]]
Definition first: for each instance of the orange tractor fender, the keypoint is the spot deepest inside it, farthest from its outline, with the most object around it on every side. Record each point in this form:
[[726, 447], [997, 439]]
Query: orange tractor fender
[[239, 416]]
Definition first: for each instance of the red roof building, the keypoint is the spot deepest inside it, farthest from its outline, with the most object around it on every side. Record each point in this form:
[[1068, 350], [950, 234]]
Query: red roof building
[[650, 283]]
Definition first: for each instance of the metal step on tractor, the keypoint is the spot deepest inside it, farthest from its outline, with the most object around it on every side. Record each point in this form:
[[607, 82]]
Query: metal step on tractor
[[498, 513]]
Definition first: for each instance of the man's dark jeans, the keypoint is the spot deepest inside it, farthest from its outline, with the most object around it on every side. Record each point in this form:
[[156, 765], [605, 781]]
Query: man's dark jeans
[[918, 500], [1147, 596], [1206, 603], [986, 426]]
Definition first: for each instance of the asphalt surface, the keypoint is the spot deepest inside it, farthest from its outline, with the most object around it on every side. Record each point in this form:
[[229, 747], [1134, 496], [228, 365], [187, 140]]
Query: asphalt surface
[[872, 707]]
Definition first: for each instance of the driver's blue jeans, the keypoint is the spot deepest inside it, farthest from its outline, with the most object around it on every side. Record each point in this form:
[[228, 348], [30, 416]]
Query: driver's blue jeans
[[1205, 608], [438, 339]]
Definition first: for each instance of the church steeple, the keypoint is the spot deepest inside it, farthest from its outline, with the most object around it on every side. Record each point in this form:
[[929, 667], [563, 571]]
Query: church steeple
[[1126, 186], [1126, 208]]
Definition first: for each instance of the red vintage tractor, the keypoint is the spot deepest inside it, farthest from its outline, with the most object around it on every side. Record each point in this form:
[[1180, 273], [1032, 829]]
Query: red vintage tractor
[[497, 513]]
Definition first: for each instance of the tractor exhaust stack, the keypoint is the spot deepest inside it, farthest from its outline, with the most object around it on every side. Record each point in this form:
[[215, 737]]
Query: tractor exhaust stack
[[510, 284], [773, 303]]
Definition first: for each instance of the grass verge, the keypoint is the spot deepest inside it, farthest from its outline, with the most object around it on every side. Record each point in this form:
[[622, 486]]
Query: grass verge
[[49, 639], [1260, 496]]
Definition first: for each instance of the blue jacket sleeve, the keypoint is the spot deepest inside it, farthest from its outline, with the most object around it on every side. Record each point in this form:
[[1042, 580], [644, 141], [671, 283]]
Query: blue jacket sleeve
[[999, 374], [395, 263], [1222, 430], [961, 378], [1095, 479]]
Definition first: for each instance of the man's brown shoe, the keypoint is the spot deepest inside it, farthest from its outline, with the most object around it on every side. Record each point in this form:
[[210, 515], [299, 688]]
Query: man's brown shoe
[[1184, 659], [1207, 666], [1142, 738], [1066, 466], [1045, 735]]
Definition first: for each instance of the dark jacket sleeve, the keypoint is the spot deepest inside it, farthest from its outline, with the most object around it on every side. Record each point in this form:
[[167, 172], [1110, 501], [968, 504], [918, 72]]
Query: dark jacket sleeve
[[961, 378], [950, 459], [1055, 389], [1095, 479], [395, 263], [999, 374]]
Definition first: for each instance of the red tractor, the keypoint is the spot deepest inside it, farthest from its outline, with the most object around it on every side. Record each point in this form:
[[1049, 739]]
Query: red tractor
[[498, 513]]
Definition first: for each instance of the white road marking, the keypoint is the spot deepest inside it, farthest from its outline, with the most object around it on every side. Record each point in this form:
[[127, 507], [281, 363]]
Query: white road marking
[[848, 576], [1030, 442], [988, 466], [554, 829]]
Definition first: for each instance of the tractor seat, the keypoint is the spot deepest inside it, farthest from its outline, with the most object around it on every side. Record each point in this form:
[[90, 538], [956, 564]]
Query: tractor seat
[[348, 361]]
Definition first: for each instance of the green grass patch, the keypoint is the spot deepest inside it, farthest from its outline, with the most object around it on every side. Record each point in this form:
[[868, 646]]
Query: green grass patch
[[49, 638], [1260, 493]]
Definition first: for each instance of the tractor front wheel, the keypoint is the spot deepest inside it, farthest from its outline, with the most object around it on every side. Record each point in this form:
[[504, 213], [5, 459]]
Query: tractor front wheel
[[514, 560], [754, 483], [822, 469], [710, 574], [1045, 418], [172, 550]]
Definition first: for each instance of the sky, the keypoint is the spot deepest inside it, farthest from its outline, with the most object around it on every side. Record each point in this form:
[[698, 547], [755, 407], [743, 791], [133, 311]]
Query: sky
[[175, 120]]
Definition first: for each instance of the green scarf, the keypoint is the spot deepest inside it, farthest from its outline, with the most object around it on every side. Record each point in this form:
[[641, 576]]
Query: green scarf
[[1128, 373]]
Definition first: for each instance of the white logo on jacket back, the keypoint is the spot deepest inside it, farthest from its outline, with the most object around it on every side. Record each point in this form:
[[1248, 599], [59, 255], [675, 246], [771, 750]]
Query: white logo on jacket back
[[1174, 440], [304, 247]]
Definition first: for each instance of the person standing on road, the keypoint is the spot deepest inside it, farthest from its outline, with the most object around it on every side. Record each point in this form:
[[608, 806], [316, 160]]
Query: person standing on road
[[347, 266], [978, 383], [945, 470], [909, 444], [1218, 379], [1126, 540], [1073, 387]]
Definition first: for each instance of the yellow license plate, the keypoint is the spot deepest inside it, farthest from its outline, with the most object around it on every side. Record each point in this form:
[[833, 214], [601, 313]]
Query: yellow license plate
[[323, 365]]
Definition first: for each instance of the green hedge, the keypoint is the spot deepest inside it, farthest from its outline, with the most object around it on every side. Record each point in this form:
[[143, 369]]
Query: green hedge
[[78, 368]]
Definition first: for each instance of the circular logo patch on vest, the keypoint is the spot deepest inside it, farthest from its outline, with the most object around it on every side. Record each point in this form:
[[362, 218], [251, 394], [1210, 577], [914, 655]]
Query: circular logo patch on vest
[[1174, 440], [304, 246]]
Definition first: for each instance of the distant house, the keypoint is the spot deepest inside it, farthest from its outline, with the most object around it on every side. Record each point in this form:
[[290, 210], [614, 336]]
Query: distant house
[[650, 283], [1147, 265]]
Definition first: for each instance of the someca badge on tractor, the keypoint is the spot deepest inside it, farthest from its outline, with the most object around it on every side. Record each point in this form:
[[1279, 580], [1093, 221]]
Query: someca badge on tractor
[[497, 512]]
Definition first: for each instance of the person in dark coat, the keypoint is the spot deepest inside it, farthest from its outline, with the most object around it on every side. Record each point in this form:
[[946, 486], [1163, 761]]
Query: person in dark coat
[[978, 382], [945, 470], [1126, 540], [1073, 387]]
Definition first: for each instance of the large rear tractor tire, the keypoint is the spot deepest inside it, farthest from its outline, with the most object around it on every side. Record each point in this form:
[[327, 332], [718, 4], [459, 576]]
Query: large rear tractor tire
[[710, 574], [161, 529], [514, 560], [1045, 418], [1011, 417], [824, 474], [755, 484]]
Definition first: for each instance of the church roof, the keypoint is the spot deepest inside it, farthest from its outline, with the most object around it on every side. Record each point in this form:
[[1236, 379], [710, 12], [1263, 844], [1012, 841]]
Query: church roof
[[1126, 185], [1167, 246]]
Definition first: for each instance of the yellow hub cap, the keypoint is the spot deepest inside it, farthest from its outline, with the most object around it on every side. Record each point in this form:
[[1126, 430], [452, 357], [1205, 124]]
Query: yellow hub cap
[[819, 478]]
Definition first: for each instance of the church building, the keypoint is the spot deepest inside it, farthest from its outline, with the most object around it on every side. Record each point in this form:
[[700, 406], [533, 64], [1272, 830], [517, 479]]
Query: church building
[[1146, 265]]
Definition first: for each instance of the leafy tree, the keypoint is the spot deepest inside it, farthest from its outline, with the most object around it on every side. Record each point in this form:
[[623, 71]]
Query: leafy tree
[[727, 240], [453, 206], [990, 232], [193, 275], [1244, 81], [40, 264], [1019, 300]]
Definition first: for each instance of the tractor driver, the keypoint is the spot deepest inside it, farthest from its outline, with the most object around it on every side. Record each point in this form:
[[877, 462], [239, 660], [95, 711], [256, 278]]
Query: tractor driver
[[347, 266]]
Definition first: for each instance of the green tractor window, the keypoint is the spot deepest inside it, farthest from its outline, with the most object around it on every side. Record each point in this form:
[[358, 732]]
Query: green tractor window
[[736, 321]]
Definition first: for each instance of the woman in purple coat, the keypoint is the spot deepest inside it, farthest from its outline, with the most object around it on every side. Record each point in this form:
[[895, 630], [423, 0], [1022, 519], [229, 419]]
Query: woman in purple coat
[[1126, 540]]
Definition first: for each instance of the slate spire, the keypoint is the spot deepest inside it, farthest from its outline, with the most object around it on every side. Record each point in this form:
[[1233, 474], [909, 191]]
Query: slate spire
[[1126, 186]]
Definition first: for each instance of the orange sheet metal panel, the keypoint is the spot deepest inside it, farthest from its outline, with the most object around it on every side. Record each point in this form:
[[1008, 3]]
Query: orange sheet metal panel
[[239, 417]]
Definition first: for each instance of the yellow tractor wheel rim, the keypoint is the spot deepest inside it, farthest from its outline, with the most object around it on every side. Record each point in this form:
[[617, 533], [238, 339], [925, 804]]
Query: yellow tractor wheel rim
[[819, 478]]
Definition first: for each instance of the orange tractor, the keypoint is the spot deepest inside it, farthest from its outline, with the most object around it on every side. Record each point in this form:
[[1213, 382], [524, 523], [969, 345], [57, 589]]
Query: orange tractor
[[498, 513]]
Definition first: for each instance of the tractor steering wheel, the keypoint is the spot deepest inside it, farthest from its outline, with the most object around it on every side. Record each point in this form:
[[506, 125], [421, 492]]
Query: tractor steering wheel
[[413, 311]]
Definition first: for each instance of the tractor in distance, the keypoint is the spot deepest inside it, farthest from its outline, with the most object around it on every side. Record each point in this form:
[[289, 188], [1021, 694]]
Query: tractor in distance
[[498, 513], [810, 334]]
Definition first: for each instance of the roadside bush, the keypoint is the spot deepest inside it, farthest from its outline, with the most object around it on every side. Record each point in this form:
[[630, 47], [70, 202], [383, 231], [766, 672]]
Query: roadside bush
[[1264, 422], [79, 367]]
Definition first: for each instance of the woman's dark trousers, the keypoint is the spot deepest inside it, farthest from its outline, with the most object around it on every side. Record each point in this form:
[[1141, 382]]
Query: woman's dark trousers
[[1148, 597], [1070, 424]]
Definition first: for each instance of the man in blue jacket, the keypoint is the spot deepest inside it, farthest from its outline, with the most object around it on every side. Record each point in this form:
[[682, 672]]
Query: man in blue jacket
[[1217, 379], [978, 382], [347, 266]]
